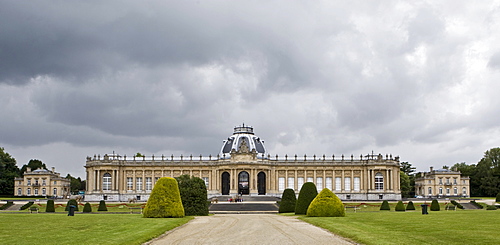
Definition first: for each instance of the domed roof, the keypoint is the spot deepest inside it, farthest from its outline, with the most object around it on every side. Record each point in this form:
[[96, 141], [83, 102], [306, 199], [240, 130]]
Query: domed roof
[[243, 139]]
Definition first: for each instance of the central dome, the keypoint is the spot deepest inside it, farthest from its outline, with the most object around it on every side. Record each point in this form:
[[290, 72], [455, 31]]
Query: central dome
[[243, 136]]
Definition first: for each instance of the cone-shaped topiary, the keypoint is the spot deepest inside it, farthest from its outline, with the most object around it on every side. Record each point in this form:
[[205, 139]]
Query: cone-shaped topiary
[[288, 200], [71, 202], [194, 195], [102, 206], [307, 193], [50, 207], [87, 208], [410, 206], [326, 204], [400, 206], [385, 205], [165, 200], [435, 205]]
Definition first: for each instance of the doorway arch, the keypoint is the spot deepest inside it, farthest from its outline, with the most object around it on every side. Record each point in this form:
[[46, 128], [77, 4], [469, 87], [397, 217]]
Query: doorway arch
[[225, 183], [243, 183], [261, 183]]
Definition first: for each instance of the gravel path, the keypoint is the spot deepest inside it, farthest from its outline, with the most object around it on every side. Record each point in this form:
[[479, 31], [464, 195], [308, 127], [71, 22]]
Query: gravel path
[[248, 229]]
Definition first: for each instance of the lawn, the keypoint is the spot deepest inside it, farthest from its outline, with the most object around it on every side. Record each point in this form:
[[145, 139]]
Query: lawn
[[43, 228], [390, 227]]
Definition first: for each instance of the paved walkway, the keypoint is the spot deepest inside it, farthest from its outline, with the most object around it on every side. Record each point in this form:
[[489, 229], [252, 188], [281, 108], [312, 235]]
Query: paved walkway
[[248, 229]]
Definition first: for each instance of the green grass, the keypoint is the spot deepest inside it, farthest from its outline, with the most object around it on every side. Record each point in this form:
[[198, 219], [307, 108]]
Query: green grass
[[112, 207], [441, 227], [82, 228]]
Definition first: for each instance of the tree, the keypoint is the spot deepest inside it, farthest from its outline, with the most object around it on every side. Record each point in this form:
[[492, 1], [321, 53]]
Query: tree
[[138, 154], [488, 172], [407, 179], [326, 204], [410, 206], [75, 184], [307, 193], [8, 171], [406, 168], [165, 200], [405, 184], [288, 200], [193, 195], [87, 208], [71, 202], [34, 164]]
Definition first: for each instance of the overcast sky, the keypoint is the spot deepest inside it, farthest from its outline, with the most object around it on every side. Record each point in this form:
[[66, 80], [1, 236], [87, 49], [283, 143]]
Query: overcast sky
[[415, 79]]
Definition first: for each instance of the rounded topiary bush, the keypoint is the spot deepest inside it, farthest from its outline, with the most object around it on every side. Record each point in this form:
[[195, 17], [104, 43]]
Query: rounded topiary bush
[[435, 205], [326, 204], [288, 200], [307, 193], [410, 206], [50, 208], [71, 202], [193, 195], [385, 205], [165, 200], [87, 208], [400, 207], [491, 207], [102, 206]]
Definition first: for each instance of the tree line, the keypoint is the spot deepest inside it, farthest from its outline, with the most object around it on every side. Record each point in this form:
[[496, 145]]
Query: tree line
[[9, 171]]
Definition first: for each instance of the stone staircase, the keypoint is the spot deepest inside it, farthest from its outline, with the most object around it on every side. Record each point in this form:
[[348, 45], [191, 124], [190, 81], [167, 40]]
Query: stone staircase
[[249, 205], [467, 205]]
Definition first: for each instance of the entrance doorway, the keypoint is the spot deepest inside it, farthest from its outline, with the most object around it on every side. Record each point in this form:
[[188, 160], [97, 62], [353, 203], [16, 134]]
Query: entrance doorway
[[225, 183], [261, 183], [243, 183]]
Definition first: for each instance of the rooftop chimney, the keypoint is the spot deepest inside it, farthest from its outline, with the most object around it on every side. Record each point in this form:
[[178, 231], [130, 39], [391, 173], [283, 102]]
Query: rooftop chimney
[[432, 168], [53, 169], [28, 169]]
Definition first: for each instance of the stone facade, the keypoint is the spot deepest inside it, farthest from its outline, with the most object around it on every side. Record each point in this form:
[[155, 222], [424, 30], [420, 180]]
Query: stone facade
[[246, 170], [42, 182], [442, 183]]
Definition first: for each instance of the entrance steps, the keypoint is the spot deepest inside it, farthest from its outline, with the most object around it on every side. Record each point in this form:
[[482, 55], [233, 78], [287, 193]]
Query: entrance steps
[[249, 205], [468, 205]]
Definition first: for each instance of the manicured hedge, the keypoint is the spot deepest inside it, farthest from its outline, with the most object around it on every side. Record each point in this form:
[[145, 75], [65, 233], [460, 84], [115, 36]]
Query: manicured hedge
[[7, 205], [435, 205], [193, 195], [165, 200], [288, 201], [87, 208], [307, 193], [27, 205], [326, 204], [385, 205], [477, 204], [400, 207], [50, 208], [491, 207], [102, 206], [71, 202], [410, 206], [457, 204]]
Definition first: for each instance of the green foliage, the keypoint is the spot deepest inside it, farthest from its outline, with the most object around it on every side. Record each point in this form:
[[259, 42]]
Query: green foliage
[[404, 181], [385, 205], [102, 206], [491, 207], [400, 206], [8, 171], [193, 195], [435, 205], [457, 204], [7, 205], [34, 164], [50, 208], [478, 205], [307, 193], [71, 202], [326, 204], [87, 208], [498, 198], [76, 184], [165, 200], [410, 206], [288, 200], [27, 205]]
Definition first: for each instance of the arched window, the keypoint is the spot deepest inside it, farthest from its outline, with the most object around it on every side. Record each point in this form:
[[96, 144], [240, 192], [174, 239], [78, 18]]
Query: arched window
[[19, 192], [440, 190], [430, 191], [455, 191], [28, 191], [55, 192], [106, 182], [44, 192], [464, 191], [379, 181]]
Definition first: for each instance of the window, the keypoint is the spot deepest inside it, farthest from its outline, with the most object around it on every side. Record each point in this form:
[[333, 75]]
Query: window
[[29, 181], [281, 183], [36, 191], [440, 190], [455, 191], [310, 179], [300, 182], [36, 181], [447, 191], [440, 181], [28, 191], [130, 183], [156, 179], [319, 183], [347, 183], [55, 192], [348, 197], [205, 179], [291, 183], [338, 183], [464, 191], [463, 182], [430, 191], [138, 184], [447, 181], [44, 192], [19, 192], [430, 181], [55, 182], [43, 182], [106, 182], [357, 183], [379, 181], [328, 183], [454, 181], [149, 184]]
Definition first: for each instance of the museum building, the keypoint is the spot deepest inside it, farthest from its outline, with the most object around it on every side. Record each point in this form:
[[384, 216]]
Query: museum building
[[244, 167]]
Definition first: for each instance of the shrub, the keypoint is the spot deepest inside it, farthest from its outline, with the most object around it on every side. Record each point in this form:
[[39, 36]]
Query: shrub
[[457, 204], [193, 195], [385, 205], [87, 208], [71, 202], [102, 206], [50, 207], [288, 200], [498, 198], [491, 207], [165, 200], [477, 205], [307, 193], [7, 205], [326, 204], [410, 206], [400, 206], [27, 205], [435, 205]]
